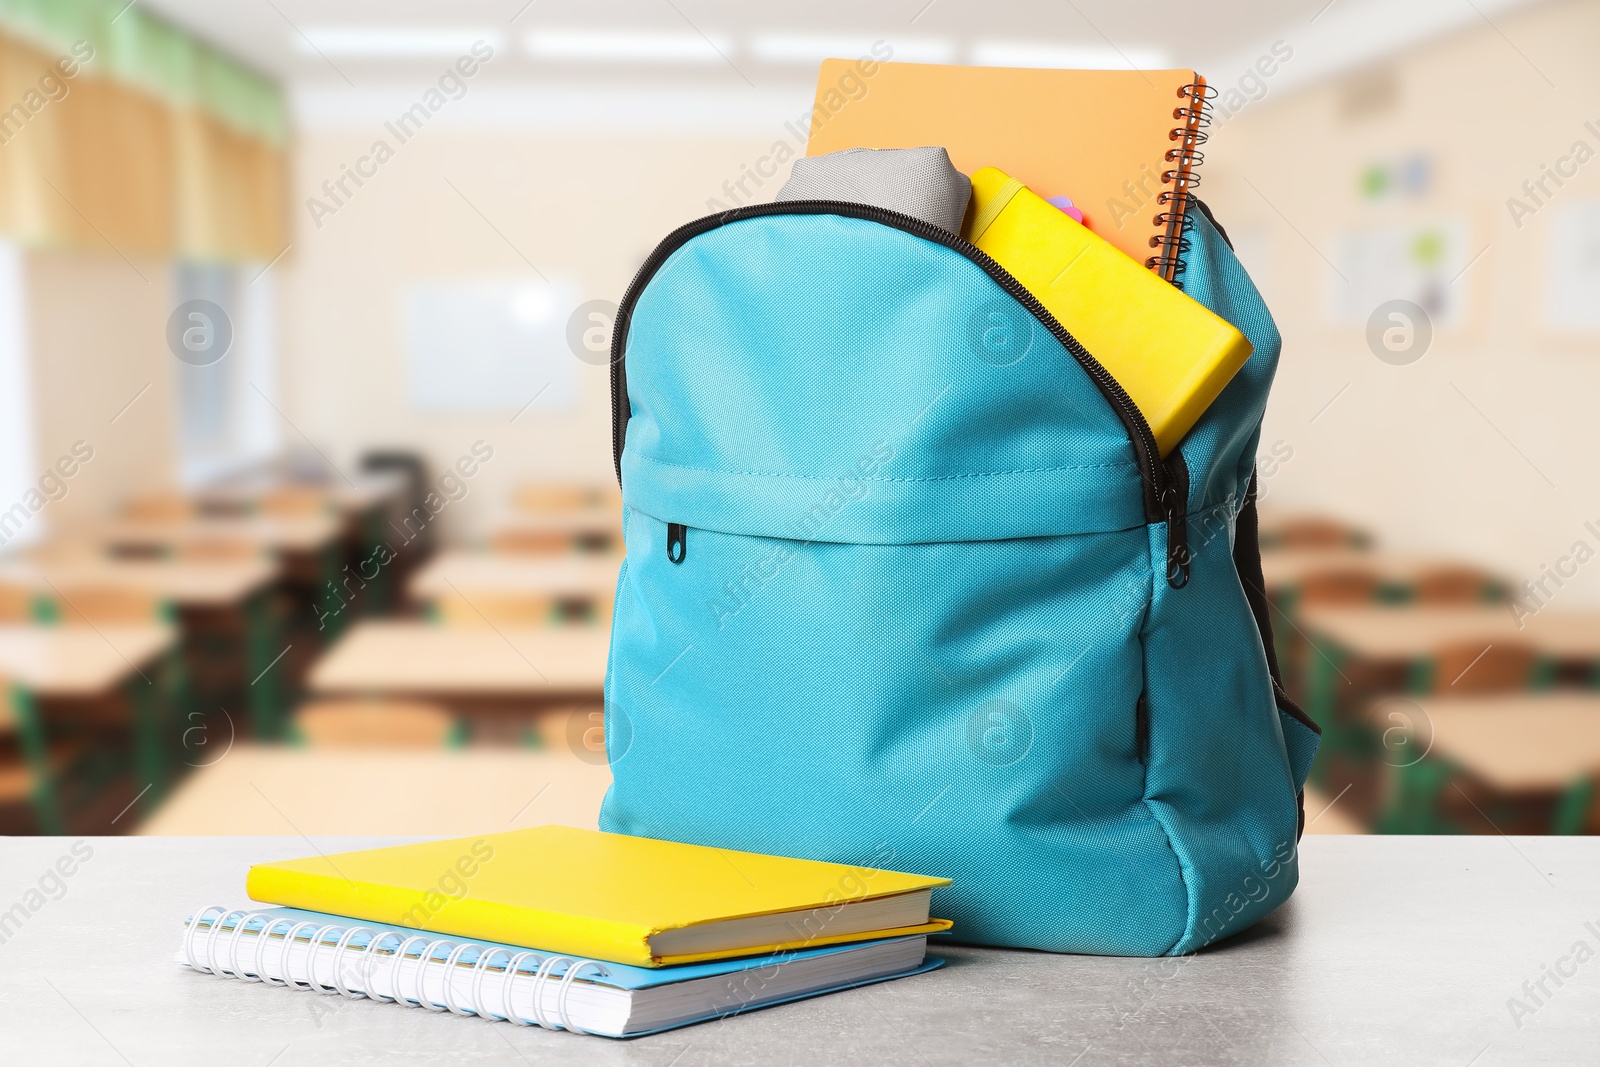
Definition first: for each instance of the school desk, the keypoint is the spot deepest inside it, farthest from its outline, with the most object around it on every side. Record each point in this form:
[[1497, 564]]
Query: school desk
[[1401, 640], [288, 534], [202, 590], [255, 789], [1396, 576], [1287, 530], [311, 548], [590, 530], [1511, 743], [586, 582], [374, 504], [1409, 634], [467, 573], [1416, 950], [368, 503], [488, 670], [187, 583], [360, 493], [60, 664]]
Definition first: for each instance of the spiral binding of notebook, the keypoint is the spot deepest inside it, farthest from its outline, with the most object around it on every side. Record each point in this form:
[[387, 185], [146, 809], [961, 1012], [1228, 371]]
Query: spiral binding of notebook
[[1185, 157], [355, 962]]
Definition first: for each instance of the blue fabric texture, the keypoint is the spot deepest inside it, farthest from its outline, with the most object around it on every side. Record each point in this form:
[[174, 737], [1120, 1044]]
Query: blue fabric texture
[[921, 621]]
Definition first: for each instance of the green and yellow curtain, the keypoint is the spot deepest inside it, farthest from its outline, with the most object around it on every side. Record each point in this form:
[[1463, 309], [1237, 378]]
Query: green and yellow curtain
[[156, 144]]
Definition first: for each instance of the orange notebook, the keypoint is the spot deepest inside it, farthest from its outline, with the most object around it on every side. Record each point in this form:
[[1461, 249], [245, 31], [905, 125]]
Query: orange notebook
[[1121, 143]]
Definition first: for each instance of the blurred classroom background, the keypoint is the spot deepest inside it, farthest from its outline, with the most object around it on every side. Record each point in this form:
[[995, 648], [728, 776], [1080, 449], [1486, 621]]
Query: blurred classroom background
[[308, 522]]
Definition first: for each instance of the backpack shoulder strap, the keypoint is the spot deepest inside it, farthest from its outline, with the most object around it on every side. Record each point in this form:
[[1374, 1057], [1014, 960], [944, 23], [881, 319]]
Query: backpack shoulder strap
[[1247, 561]]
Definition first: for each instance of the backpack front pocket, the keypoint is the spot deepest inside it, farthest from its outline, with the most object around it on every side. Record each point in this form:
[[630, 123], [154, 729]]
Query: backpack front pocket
[[896, 705]]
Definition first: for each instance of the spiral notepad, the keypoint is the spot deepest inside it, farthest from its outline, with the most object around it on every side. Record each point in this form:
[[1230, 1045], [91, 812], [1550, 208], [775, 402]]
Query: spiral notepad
[[1122, 144], [327, 954]]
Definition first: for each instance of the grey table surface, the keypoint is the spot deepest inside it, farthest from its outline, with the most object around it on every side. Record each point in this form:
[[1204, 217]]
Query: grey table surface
[[1393, 950]]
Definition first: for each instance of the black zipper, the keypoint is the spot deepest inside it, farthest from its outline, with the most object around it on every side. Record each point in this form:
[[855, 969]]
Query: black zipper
[[1176, 509], [677, 541], [1141, 728], [1163, 501]]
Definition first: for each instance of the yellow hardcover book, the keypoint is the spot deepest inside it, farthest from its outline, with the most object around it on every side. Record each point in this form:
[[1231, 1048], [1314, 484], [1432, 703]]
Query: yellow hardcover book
[[1170, 352], [604, 896]]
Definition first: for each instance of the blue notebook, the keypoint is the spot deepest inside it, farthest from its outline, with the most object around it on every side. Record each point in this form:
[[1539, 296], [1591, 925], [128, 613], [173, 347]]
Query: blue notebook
[[308, 950]]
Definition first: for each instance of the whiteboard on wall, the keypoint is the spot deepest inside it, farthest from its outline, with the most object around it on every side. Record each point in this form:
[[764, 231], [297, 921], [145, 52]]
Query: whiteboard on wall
[[495, 345], [1572, 268]]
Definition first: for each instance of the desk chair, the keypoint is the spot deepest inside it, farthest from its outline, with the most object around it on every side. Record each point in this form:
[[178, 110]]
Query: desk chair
[[293, 501], [230, 645], [1481, 667], [531, 542], [218, 550], [1314, 531], [375, 724], [32, 767], [1338, 587], [16, 603], [1577, 812], [541, 499], [160, 702], [1459, 668], [66, 550], [160, 506], [526, 609], [1453, 584], [107, 606]]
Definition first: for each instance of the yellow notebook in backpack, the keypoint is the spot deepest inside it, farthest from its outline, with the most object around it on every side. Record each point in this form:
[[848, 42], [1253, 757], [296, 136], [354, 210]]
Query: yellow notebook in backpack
[[1170, 353]]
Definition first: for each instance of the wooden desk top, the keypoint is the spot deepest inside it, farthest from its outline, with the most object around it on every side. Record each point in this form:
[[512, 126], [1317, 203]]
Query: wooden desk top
[[422, 658], [1403, 632], [1570, 635], [300, 533], [596, 521], [491, 572], [1513, 741], [368, 492], [1408, 632], [1273, 523], [78, 661], [1286, 567], [191, 583], [271, 790], [362, 492]]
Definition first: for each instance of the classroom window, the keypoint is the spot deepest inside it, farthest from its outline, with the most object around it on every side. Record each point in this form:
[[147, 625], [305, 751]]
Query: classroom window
[[17, 474], [222, 334]]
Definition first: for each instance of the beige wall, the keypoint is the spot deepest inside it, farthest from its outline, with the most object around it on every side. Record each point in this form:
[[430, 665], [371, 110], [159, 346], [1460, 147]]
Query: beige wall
[[588, 208], [1402, 449], [96, 333]]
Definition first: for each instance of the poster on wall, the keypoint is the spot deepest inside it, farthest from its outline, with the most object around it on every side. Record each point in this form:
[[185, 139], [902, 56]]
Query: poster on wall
[[1572, 269], [490, 346], [1422, 262]]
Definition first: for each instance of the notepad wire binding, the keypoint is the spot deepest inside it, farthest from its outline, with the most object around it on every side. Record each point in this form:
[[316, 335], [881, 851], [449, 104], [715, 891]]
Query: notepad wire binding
[[224, 960], [1175, 222]]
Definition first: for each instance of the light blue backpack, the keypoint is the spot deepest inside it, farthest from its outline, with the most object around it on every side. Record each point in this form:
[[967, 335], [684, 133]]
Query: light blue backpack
[[908, 586]]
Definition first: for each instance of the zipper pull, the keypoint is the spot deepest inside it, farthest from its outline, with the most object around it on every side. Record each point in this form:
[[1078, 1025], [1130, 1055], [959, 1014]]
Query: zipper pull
[[677, 541], [1175, 506]]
